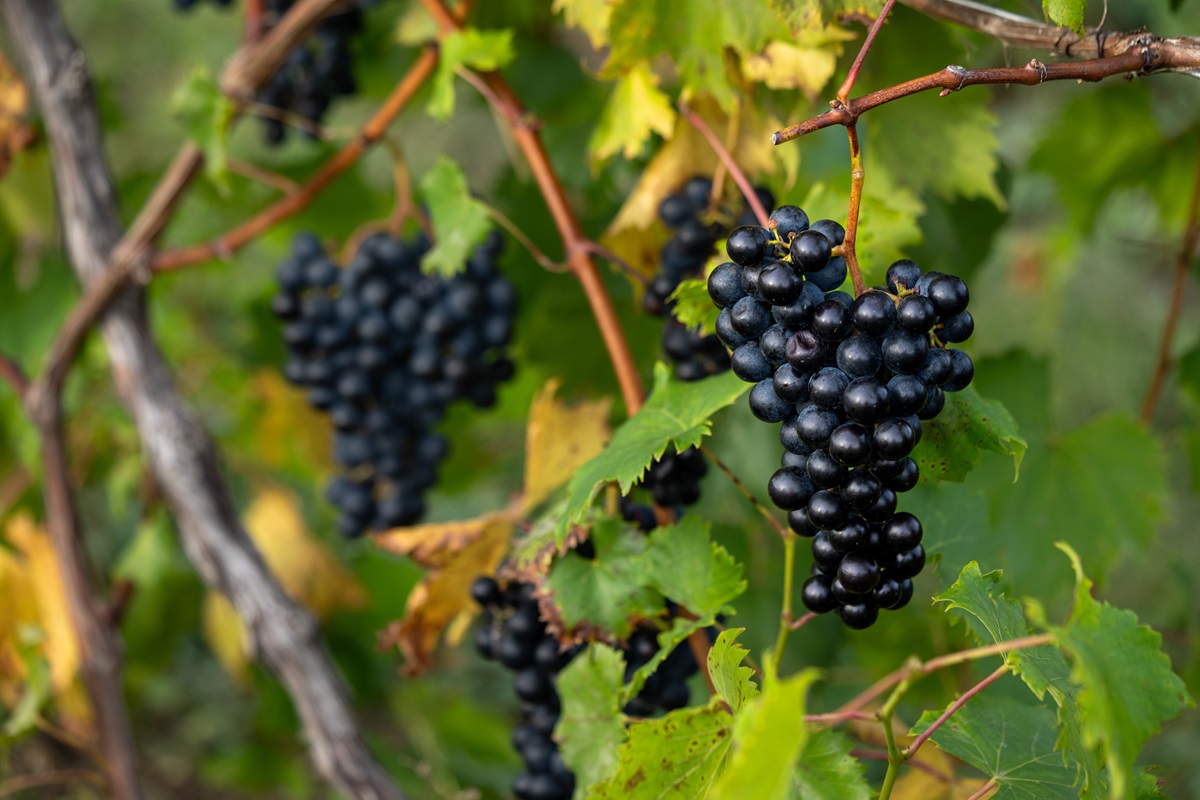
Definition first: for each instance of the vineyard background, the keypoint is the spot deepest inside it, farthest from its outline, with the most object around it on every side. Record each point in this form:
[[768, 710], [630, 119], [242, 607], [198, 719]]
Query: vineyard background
[[1063, 205]]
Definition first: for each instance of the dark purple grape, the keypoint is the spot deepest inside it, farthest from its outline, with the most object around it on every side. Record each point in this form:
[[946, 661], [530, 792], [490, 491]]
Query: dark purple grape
[[725, 285], [747, 245], [903, 531]]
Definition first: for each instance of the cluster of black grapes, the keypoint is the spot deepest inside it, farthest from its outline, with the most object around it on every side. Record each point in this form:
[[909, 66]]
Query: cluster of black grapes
[[314, 73], [849, 380], [514, 634], [384, 349], [682, 257]]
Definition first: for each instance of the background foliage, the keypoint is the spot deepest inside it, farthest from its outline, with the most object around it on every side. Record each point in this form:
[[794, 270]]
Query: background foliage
[[1062, 205]]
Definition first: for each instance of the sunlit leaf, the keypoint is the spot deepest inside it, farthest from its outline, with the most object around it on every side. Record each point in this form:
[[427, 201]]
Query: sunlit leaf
[[635, 110]]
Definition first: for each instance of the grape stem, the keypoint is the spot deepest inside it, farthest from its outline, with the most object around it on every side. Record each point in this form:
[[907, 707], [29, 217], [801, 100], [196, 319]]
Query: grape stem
[[12, 373], [280, 183], [954, 708], [778, 526], [524, 130], [1140, 60], [247, 70], [852, 75], [735, 171], [1187, 252], [253, 27], [371, 133], [856, 189], [983, 790], [917, 668], [785, 616]]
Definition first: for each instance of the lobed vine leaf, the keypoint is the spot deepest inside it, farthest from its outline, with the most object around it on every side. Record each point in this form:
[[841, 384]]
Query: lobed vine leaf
[[676, 413], [693, 307], [827, 771], [610, 590], [635, 110], [969, 424], [678, 755], [206, 113], [1013, 742], [460, 222], [684, 564], [994, 618], [1127, 686], [731, 680], [482, 50], [591, 727]]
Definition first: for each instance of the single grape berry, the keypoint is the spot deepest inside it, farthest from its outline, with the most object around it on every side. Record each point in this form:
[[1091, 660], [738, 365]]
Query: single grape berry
[[810, 251], [949, 295], [790, 488], [903, 531], [787, 222], [817, 596], [725, 285], [873, 313], [858, 616], [779, 284], [850, 444], [766, 404], [903, 275]]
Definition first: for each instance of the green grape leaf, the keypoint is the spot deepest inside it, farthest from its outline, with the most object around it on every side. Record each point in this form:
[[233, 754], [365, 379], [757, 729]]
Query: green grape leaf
[[668, 640], [948, 146], [460, 222], [636, 109], [206, 113], [678, 755], [1010, 741], [951, 444], [677, 412], [1127, 686], [731, 680], [1068, 13], [827, 771], [768, 738], [591, 727], [693, 307], [994, 618], [696, 39], [684, 564], [482, 50], [1068, 486], [606, 591], [1145, 787], [590, 16], [37, 688]]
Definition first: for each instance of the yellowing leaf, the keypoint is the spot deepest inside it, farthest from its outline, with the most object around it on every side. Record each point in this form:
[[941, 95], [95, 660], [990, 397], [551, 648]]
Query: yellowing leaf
[[460, 553], [45, 585], [291, 429], [226, 637], [558, 439], [635, 109], [15, 134], [590, 16], [33, 595], [688, 153], [306, 569], [782, 65]]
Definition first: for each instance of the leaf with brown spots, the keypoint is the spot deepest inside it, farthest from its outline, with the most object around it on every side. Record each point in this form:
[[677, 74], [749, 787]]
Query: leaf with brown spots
[[679, 755]]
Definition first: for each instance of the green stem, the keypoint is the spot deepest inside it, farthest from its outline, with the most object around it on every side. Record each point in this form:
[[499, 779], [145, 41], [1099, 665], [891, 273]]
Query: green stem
[[785, 621]]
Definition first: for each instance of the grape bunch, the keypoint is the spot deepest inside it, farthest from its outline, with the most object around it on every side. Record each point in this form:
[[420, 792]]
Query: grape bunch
[[314, 73], [684, 256], [513, 633], [849, 381], [384, 350]]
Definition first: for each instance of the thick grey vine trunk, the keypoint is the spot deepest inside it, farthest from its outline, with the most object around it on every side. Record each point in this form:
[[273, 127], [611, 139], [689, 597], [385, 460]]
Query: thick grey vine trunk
[[178, 449]]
